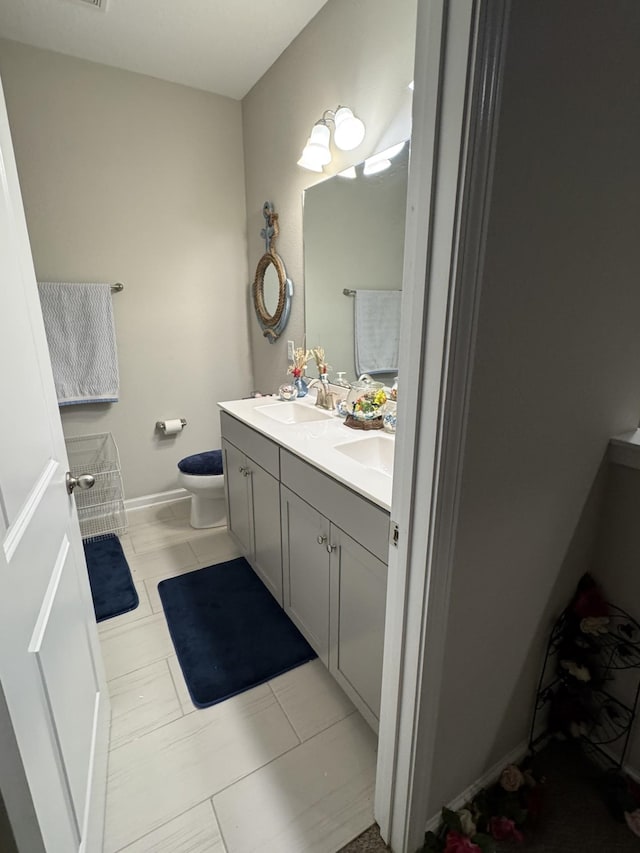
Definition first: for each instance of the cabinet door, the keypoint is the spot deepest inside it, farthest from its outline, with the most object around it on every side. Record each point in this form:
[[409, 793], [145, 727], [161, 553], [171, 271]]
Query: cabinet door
[[236, 487], [305, 534], [267, 550], [358, 600]]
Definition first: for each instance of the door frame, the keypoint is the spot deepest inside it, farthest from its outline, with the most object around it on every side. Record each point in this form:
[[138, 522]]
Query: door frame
[[460, 47]]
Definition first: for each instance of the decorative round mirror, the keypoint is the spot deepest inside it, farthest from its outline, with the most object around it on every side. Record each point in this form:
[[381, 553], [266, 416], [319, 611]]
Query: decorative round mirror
[[272, 290]]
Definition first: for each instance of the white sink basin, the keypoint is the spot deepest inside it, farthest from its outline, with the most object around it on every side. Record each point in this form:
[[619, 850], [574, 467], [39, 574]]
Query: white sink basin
[[374, 452], [293, 413]]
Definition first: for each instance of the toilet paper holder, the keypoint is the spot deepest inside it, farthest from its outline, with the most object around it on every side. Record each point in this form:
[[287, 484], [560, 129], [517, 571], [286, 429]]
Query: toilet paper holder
[[162, 425]]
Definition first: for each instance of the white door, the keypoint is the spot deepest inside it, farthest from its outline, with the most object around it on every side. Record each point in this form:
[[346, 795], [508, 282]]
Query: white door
[[51, 672]]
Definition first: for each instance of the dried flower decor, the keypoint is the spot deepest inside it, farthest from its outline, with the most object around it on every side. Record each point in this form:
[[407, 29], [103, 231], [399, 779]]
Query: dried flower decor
[[301, 357], [323, 367]]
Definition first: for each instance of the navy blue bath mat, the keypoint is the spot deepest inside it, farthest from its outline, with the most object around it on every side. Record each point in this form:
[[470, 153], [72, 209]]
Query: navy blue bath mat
[[112, 587], [229, 632]]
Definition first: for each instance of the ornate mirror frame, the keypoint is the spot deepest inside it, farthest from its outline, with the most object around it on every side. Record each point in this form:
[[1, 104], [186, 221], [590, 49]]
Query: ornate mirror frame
[[272, 324]]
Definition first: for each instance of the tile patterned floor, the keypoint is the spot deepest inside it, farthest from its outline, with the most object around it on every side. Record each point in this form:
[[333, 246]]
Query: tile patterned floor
[[288, 766]]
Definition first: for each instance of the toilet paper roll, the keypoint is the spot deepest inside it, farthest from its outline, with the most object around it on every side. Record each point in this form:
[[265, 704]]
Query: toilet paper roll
[[172, 426]]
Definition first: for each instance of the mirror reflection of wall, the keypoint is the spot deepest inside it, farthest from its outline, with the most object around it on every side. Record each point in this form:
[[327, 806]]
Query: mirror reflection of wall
[[271, 289], [353, 239]]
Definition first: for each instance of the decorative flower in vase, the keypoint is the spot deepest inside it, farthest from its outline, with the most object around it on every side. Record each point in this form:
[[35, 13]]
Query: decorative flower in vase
[[300, 358], [321, 364]]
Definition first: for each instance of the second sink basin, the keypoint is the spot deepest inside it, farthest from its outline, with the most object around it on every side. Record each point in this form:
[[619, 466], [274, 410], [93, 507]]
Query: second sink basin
[[293, 413], [374, 452]]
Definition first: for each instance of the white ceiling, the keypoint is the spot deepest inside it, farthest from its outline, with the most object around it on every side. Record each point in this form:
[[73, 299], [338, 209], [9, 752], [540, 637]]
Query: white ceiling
[[222, 46]]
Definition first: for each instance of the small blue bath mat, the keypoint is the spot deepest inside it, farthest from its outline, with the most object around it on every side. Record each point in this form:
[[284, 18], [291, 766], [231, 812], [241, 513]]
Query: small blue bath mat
[[112, 587], [229, 632]]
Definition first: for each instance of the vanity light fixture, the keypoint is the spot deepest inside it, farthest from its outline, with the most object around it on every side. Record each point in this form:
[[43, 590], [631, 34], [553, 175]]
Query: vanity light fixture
[[350, 173], [348, 133], [381, 161]]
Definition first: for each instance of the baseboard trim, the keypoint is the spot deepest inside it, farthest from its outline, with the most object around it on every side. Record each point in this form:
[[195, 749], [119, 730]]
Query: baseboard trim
[[514, 757], [157, 498]]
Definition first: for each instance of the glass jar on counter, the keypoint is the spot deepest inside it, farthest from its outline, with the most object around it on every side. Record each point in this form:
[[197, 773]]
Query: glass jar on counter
[[366, 398]]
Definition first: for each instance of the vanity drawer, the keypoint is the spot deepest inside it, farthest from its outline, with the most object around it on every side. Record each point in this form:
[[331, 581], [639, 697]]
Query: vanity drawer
[[262, 450], [363, 521]]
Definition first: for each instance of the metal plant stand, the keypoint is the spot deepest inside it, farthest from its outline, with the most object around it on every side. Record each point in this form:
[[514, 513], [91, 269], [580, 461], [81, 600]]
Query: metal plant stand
[[605, 705]]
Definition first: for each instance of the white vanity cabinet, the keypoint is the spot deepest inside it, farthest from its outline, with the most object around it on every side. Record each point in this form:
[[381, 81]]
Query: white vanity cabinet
[[306, 570], [356, 628], [251, 468], [234, 463], [320, 548], [334, 547]]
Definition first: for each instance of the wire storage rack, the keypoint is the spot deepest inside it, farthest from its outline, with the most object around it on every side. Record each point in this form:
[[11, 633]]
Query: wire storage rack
[[100, 509], [607, 709]]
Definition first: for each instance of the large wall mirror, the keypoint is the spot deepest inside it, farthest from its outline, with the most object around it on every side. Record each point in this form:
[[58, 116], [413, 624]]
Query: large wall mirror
[[353, 241]]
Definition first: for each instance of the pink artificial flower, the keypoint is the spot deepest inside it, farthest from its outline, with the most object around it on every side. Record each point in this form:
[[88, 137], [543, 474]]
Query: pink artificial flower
[[590, 602], [504, 829], [457, 843]]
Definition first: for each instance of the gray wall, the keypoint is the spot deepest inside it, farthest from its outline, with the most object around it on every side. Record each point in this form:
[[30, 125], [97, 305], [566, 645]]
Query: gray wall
[[127, 178], [557, 368], [354, 52]]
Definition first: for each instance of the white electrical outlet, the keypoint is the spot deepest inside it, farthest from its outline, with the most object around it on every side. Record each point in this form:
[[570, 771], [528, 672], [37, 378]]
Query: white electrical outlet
[[290, 350]]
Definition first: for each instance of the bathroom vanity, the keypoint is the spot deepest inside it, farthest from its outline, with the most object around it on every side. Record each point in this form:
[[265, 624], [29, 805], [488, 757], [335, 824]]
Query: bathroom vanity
[[308, 503]]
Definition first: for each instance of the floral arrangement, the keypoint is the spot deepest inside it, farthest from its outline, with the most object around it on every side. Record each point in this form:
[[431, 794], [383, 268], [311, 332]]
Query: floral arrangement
[[323, 367], [496, 813], [370, 404], [300, 358]]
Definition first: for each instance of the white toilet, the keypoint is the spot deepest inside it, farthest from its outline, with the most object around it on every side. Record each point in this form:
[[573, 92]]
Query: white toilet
[[201, 474]]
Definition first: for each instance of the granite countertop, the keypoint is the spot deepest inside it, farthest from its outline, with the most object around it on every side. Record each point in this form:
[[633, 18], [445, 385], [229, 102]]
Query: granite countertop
[[316, 441]]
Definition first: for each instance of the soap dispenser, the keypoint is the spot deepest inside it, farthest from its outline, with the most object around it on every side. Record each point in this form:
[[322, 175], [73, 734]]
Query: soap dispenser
[[341, 394]]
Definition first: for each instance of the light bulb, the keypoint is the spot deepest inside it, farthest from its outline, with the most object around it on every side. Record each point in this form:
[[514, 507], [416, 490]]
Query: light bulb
[[390, 153], [316, 152], [308, 164], [349, 130], [375, 165], [350, 172]]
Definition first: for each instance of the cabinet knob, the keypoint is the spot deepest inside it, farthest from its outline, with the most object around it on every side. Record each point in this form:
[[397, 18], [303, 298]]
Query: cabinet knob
[[321, 540], [241, 470], [331, 549], [247, 472]]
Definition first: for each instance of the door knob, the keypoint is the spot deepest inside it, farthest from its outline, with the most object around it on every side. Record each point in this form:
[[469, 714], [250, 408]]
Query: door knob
[[84, 481]]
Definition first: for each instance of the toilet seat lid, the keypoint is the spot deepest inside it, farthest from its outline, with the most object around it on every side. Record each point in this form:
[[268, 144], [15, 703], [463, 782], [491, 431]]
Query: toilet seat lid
[[202, 464]]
